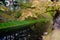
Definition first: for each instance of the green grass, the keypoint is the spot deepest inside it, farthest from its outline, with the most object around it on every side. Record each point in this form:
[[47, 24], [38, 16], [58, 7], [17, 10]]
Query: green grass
[[20, 23]]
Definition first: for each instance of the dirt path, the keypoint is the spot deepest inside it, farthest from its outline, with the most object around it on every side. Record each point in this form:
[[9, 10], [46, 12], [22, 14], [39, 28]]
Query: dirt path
[[54, 35]]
